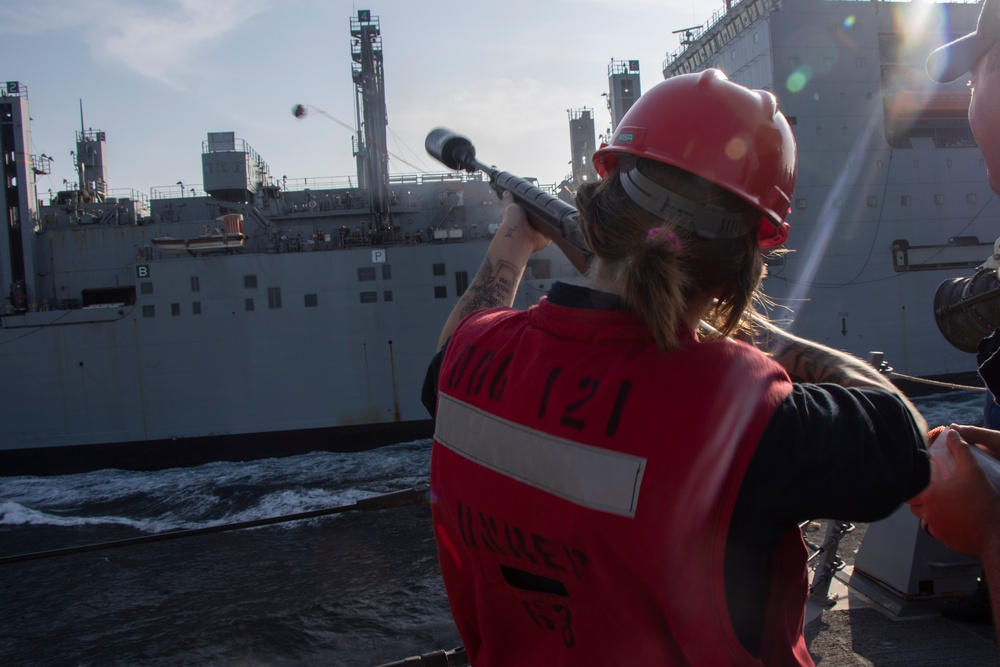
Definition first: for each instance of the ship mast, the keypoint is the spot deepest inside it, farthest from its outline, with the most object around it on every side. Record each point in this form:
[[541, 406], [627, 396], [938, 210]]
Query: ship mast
[[369, 82], [89, 158]]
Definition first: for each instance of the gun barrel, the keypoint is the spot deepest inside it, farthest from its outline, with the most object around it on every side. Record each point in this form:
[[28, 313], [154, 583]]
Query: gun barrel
[[548, 214], [450, 149]]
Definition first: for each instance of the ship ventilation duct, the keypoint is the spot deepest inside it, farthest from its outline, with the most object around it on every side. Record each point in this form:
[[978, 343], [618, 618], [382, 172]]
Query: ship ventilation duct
[[968, 309]]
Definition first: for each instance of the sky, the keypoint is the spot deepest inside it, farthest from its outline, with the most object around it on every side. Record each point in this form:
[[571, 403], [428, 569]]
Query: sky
[[158, 75]]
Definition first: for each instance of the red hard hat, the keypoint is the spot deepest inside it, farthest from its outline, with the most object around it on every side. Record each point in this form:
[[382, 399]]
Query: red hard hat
[[721, 131]]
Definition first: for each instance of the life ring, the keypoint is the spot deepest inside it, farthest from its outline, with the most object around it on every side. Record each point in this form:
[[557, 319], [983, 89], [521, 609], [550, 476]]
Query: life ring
[[312, 203]]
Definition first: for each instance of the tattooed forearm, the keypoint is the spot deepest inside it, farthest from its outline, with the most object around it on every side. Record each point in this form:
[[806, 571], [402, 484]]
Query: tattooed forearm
[[809, 361], [806, 361], [493, 286], [496, 281], [812, 364]]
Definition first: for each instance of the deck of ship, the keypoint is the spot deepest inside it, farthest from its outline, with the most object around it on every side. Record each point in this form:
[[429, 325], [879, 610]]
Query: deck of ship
[[857, 631]]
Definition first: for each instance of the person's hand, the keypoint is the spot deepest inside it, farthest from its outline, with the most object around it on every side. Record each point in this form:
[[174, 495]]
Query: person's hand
[[988, 438], [962, 510], [514, 221]]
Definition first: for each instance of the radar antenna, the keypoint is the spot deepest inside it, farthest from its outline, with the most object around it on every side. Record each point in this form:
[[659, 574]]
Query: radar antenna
[[688, 34]]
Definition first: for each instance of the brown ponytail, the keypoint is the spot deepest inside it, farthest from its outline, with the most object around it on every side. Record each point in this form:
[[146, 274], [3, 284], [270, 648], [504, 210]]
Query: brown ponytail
[[658, 267]]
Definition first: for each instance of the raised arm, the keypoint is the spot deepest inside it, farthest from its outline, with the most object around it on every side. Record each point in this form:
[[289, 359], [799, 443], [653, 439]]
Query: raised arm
[[496, 282]]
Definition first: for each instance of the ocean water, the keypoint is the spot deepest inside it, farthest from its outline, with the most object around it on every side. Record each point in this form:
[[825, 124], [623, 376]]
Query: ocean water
[[350, 589]]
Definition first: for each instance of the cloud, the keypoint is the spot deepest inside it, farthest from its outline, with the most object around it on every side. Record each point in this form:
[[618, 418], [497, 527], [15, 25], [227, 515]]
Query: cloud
[[161, 39]]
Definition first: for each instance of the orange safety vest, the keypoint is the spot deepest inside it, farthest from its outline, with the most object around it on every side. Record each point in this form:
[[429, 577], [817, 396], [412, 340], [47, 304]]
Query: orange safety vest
[[582, 486]]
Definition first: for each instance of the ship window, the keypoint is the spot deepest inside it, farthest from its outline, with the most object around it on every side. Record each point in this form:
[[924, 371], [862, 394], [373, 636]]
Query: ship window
[[461, 282], [248, 304], [970, 198], [208, 168], [792, 120], [439, 269], [440, 292], [800, 204], [386, 271], [274, 297], [223, 166], [196, 307], [948, 162], [311, 300], [906, 200], [872, 202], [793, 62], [249, 282], [175, 309], [387, 295], [816, 97], [878, 164], [149, 310], [369, 297], [756, 37], [540, 269], [819, 130], [146, 288], [366, 273], [195, 284], [939, 199]]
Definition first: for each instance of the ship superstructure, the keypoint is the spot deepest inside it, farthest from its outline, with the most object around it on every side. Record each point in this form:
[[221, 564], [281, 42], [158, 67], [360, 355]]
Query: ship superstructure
[[892, 197]]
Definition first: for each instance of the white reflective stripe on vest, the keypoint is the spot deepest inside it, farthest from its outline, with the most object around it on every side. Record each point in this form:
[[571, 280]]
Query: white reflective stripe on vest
[[593, 477]]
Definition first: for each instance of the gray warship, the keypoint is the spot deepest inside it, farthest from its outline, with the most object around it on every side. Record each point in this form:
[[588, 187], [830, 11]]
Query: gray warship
[[258, 316]]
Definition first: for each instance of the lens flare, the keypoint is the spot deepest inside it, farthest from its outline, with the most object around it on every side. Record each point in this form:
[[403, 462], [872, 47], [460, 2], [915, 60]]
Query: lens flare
[[849, 21], [736, 148], [798, 79]]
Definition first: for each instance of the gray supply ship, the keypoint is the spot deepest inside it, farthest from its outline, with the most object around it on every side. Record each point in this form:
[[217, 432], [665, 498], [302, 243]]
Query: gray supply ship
[[891, 201], [263, 316]]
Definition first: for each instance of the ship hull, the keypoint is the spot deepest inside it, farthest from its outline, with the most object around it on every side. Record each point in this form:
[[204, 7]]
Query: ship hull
[[310, 357]]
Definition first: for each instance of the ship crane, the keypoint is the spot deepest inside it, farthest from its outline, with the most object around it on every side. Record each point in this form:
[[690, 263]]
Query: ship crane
[[372, 117]]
